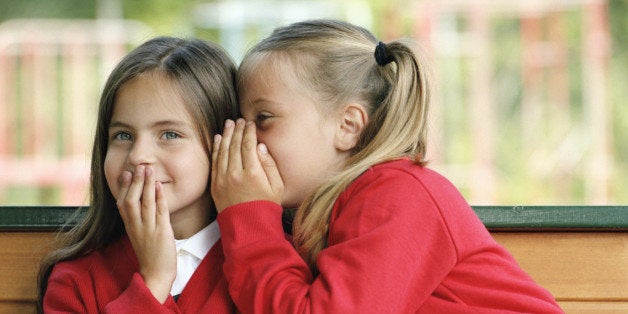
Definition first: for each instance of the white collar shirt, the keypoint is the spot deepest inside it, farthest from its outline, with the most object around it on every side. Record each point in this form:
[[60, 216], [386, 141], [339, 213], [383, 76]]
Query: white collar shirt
[[190, 253]]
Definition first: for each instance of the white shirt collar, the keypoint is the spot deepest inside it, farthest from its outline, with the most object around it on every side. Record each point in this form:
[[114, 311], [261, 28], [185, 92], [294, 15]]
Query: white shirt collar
[[201, 242]]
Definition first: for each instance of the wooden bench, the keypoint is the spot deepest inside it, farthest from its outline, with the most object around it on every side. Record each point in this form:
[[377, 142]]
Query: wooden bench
[[579, 253]]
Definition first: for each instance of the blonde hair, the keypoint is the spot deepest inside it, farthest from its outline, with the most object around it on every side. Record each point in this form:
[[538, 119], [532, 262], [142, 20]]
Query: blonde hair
[[205, 77], [336, 60]]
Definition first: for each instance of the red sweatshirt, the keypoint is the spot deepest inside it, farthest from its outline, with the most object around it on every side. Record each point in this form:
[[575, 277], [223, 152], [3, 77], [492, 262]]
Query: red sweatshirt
[[401, 240], [108, 281]]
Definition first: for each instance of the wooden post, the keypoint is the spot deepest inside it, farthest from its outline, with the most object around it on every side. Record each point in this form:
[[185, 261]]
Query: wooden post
[[7, 114], [531, 104], [482, 108], [559, 111], [558, 82], [44, 110], [77, 102], [78, 123], [597, 108], [7, 100], [424, 26]]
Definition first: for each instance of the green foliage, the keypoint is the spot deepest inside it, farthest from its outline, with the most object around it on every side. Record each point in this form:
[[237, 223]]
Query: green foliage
[[618, 93], [166, 17], [69, 9]]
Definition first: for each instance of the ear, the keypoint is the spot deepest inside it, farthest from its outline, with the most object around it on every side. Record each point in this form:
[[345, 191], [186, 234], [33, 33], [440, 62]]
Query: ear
[[353, 118]]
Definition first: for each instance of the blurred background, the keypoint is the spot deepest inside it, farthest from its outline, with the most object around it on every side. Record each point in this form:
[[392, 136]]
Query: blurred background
[[528, 106]]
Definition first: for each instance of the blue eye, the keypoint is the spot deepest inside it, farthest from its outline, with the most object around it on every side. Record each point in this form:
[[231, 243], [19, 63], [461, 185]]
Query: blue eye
[[122, 136], [170, 135]]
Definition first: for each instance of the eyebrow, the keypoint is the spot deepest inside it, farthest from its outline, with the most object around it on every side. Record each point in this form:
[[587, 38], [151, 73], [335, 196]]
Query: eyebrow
[[177, 123], [264, 101]]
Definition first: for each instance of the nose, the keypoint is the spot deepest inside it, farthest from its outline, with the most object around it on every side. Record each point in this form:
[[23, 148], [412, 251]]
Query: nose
[[141, 153]]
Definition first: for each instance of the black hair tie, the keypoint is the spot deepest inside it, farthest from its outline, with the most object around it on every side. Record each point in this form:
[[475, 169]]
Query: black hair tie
[[381, 54]]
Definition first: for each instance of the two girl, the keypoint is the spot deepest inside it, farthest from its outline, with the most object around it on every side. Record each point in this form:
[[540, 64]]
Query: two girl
[[149, 242], [376, 231], [344, 117]]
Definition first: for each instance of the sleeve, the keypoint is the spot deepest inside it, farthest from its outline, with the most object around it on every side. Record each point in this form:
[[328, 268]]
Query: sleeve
[[381, 256], [70, 292], [63, 294], [137, 298]]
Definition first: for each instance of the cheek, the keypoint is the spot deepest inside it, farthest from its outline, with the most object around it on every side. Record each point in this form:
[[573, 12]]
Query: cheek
[[287, 150], [193, 164], [267, 138], [112, 174], [261, 136], [203, 168], [275, 147], [288, 159]]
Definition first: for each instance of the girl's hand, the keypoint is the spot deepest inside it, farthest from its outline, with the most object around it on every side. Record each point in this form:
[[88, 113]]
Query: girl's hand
[[144, 211], [242, 170]]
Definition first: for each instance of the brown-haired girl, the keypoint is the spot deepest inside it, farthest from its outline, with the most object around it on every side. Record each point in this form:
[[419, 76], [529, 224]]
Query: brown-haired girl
[[149, 242]]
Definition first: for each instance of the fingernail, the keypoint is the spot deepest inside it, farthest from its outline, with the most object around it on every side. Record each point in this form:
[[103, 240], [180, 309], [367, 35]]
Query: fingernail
[[228, 123], [217, 138], [249, 122], [240, 121], [262, 148]]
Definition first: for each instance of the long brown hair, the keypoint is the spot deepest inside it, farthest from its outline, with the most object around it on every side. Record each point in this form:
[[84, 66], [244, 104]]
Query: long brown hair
[[336, 60], [205, 76]]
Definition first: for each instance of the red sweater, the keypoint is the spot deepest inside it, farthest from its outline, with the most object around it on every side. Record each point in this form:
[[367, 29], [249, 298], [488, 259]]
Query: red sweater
[[108, 281], [401, 240]]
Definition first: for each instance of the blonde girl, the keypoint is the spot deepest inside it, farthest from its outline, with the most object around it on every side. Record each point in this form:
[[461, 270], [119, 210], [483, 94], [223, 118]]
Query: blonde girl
[[344, 117], [149, 242]]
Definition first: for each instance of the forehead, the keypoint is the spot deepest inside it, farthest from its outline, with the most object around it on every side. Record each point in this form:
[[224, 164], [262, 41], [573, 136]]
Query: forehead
[[276, 72], [150, 95]]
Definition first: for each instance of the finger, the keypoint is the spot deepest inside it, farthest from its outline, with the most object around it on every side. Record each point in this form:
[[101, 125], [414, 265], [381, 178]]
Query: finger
[[148, 205], [162, 214], [132, 197], [215, 148], [235, 148], [125, 182], [249, 147], [270, 168], [222, 161]]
